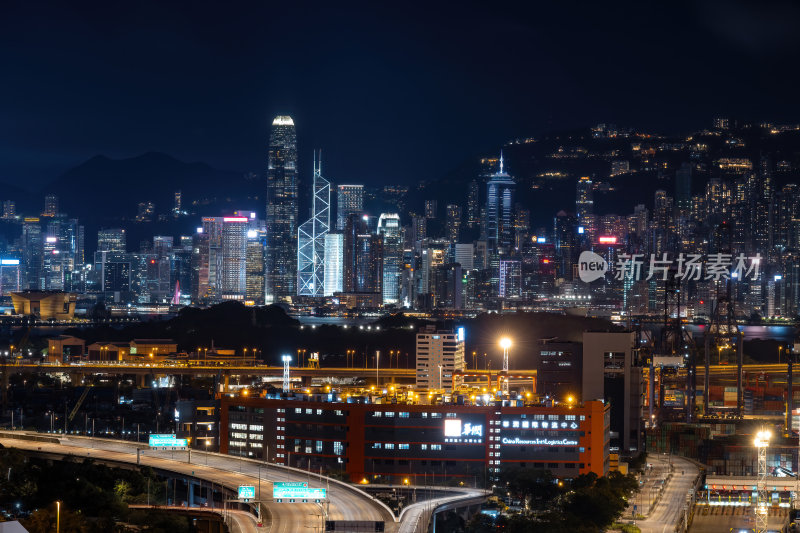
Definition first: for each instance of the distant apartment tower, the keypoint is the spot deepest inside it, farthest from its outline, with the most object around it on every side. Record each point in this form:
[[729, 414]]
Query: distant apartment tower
[[334, 263], [473, 204], [177, 208], [311, 237], [453, 223], [280, 276], [349, 200], [440, 354], [145, 211], [431, 209], [618, 167], [500, 210], [50, 206], [111, 240], [584, 204], [391, 232], [419, 228], [683, 188], [9, 210]]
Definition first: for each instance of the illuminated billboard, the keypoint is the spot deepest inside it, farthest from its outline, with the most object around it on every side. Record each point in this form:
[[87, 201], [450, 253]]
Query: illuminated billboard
[[166, 441], [607, 240], [283, 490], [9, 262]]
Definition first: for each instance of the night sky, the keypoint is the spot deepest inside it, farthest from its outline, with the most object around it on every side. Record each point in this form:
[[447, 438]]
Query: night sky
[[392, 92]]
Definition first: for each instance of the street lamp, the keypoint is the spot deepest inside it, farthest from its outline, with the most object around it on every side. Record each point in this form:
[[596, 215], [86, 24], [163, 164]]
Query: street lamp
[[505, 344], [58, 516]]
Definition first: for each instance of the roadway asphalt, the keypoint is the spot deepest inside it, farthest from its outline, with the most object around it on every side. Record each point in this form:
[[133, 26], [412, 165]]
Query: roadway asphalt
[[231, 472], [670, 507]]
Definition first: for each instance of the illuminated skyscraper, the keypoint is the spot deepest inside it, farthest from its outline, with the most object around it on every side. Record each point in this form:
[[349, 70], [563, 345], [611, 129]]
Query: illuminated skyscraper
[[334, 263], [349, 200], [584, 204], [683, 189], [389, 229], [453, 222], [50, 206], [473, 207], [363, 258], [9, 210], [566, 241], [311, 238], [255, 265], [111, 240], [281, 256], [500, 210], [234, 258]]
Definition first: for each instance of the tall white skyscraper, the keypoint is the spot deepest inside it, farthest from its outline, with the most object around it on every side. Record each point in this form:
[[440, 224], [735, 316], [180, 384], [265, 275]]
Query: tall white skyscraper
[[334, 263]]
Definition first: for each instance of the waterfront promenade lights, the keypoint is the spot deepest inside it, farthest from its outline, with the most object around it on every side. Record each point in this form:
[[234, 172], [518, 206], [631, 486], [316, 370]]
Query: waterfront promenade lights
[[762, 505], [505, 344], [286, 383]]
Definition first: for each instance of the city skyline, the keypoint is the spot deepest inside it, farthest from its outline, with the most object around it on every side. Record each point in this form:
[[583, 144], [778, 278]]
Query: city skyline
[[548, 278]]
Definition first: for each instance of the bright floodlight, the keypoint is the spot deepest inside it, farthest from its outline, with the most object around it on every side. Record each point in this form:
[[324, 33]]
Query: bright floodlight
[[762, 438], [505, 343], [286, 358]]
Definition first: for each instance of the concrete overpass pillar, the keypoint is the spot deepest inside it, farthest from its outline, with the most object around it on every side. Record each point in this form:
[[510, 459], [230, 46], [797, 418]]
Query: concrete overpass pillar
[[141, 380], [190, 496], [226, 383], [76, 379]]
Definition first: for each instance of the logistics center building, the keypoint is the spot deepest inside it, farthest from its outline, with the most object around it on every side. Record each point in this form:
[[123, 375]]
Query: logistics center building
[[416, 442]]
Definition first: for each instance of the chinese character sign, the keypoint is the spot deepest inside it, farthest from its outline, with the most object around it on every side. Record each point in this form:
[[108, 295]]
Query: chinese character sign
[[684, 267]]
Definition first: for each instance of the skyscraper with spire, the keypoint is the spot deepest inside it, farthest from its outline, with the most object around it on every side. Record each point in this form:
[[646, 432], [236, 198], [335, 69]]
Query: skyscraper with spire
[[500, 210], [280, 268], [311, 237]]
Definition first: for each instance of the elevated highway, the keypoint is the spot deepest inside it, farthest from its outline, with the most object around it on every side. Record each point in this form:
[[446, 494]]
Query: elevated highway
[[226, 473], [306, 374]]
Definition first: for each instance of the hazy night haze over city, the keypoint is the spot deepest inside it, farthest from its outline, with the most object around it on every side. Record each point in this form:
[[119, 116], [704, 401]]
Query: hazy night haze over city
[[404, 268]]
